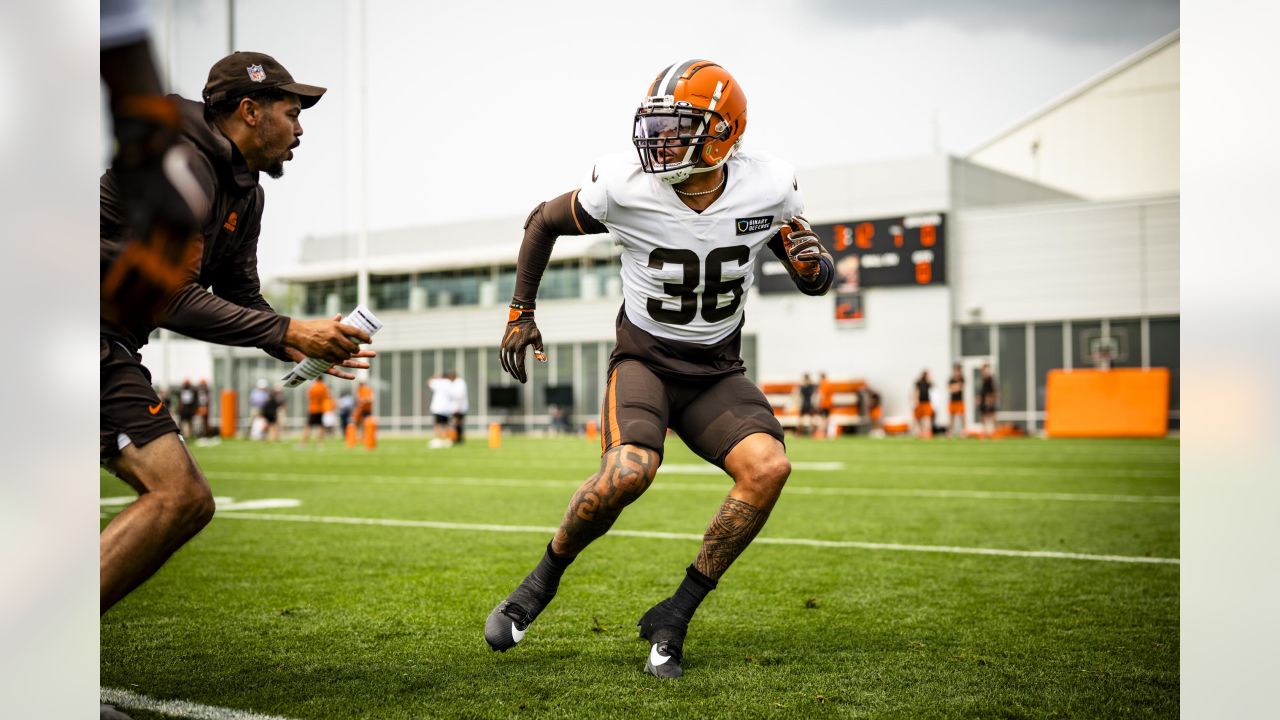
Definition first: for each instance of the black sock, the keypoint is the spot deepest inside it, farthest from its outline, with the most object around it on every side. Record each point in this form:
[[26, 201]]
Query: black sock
[[550, 568], [693, 589]]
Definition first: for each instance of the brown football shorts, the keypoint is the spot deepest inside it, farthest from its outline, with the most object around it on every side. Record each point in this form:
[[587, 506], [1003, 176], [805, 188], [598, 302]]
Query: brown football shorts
[[711, 416], [128, 405]]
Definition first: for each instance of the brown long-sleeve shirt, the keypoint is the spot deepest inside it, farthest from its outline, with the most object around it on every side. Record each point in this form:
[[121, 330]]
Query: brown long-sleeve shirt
[[235, 313]]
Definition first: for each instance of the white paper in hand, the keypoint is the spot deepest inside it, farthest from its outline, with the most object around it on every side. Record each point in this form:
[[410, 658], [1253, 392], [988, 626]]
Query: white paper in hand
[[312, 368]]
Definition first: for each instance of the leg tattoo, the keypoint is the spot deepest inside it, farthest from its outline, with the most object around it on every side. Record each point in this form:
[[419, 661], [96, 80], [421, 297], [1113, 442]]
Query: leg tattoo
[[730, 532], [625, 473]]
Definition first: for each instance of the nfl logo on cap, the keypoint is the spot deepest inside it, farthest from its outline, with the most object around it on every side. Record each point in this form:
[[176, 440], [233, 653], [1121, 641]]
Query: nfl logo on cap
[[256, 73]]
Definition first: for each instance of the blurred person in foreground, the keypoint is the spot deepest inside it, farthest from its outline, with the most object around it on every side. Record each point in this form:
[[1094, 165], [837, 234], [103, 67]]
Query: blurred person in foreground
[[247, 124], [691, 213]]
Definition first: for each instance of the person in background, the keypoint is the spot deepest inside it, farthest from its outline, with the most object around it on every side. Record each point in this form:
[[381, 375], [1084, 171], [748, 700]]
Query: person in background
[[186, 408], [317, 396], [346, 404], [876, 412], [826, 401], [807, 390], [955, 408], [364, 405], [458, 393], [257, 398], [987, 401], [272, 408], [441, 409], [923, 406], [202, 409]]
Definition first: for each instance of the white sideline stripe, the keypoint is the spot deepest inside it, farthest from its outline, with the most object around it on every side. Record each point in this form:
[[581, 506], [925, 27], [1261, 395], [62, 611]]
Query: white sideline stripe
[[221, 503], [707, 469], [480, 527], [179, 708], [700, 487], [869, 466]]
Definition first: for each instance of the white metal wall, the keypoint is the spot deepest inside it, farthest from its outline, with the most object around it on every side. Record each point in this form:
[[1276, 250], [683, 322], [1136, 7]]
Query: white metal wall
[[907, 330], [1064, 261], [1116, 138]]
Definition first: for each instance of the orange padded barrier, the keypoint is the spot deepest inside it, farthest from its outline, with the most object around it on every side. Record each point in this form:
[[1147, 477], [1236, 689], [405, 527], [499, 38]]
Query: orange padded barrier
[[1125, 402], [228, 419]]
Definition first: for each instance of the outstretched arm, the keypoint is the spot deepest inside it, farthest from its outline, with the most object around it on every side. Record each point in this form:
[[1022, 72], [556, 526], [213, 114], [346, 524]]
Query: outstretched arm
[[802, 254], [562, 216]]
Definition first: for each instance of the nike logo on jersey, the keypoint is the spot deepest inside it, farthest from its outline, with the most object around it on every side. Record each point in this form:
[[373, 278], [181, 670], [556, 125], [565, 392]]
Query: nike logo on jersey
[[516, 633], [593, 173], [746, 226], [656, 658], [155, 408]]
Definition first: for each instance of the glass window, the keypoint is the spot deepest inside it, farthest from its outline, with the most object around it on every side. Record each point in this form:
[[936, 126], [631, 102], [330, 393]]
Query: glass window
[[1164, 353], [388, 292], [506, 283], [975, 340], [406, 386], [316, 295], [382, 378], [1012, 369], [453, 287], [537, 373], [1085, 339], [1126, 337], [588, 400], [470, 372], [561, 281], [1048, 357]]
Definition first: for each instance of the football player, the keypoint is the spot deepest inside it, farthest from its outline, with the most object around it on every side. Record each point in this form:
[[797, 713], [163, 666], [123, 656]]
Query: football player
[[691, 213]]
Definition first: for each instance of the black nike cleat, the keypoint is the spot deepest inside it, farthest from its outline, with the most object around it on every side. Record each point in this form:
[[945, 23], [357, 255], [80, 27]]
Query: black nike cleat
[[508, 622], [665, 631]]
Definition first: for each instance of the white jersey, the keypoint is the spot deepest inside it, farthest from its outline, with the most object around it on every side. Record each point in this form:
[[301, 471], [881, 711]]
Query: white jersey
[[685, 274]]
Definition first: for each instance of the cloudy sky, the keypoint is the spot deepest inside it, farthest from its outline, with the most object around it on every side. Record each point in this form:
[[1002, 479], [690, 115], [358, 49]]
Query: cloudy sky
[[485, 109]]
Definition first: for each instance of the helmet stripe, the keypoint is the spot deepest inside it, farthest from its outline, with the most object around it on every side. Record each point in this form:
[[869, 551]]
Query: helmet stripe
[[657, 82], [669, 88]]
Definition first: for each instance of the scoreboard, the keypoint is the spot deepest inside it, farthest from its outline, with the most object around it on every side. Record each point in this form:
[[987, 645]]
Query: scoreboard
[[896, 251]]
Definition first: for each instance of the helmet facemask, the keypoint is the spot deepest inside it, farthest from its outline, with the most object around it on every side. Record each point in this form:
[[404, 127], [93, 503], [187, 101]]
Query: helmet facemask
[[670, 136]]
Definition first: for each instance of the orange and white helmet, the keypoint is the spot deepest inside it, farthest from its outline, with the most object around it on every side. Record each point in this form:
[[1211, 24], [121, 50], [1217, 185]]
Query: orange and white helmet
[[691, 121]]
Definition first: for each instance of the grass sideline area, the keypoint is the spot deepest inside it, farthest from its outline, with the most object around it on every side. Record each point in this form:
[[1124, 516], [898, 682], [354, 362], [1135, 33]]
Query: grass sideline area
[[327, 618]]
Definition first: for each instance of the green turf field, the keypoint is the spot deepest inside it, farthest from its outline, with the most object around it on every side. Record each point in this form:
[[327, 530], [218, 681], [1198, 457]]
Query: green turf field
[[310, 611]]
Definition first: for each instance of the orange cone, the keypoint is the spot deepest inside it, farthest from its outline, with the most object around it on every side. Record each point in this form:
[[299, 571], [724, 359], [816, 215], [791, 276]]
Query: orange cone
[[495, 436], [370, 433], [351, 434]]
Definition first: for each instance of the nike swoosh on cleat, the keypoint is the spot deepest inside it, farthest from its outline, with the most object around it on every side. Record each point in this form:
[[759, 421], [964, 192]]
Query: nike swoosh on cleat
[[656, 658], [516, 633]]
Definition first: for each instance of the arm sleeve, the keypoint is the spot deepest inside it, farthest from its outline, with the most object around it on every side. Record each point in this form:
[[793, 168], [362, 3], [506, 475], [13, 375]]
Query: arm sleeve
[[562, 216], [235, 313], [817, 286]]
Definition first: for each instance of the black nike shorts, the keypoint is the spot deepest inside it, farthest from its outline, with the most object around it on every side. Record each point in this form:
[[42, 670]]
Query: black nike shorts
[[712, 416], [129, 409]]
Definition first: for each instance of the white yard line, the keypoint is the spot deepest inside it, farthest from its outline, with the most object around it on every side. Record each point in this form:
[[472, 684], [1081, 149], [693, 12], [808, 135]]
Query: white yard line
[[695, 487], [178, 708], [477, 527]]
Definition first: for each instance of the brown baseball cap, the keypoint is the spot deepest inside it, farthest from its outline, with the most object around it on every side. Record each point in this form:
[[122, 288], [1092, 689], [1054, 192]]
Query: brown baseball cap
[[244, 73]]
